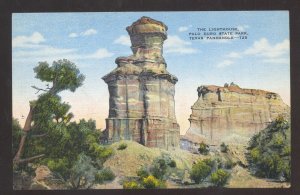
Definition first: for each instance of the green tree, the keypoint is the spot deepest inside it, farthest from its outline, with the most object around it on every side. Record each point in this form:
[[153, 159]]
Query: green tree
[[62, 75]]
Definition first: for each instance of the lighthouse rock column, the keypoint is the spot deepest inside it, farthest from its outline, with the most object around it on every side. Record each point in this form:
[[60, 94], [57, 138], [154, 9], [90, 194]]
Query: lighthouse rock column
[[141, 90]]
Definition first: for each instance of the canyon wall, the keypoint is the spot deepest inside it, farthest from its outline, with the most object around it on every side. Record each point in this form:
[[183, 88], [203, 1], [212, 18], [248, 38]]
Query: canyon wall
[[232, 114]]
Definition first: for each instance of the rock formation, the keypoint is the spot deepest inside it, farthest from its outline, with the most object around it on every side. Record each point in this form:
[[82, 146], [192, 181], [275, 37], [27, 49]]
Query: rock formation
[[141, 90], [232, 114]]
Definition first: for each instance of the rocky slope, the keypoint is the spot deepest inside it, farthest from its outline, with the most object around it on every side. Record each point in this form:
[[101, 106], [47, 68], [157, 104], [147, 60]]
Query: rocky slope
[[232, 114], [125, 163]]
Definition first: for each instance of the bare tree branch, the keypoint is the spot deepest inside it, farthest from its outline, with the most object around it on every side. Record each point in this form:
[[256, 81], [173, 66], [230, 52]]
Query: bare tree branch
[[41, 135], [30, 158], [39, 89]]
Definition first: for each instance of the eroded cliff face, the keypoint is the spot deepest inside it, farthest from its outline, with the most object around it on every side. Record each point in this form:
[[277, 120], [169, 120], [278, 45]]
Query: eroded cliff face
[[141, 91], [232, 114]]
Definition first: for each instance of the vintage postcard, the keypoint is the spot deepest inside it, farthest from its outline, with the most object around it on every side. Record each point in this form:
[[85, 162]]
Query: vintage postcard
[[151, 100]]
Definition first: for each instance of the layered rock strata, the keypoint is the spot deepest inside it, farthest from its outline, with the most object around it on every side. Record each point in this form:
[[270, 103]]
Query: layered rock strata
[[232, 114], [141, 91]]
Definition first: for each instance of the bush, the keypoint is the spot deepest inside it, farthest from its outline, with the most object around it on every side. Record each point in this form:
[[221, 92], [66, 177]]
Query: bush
[[172, 164], [122, 146], [200, 171], [105, 174], [203, 148], [219, 178], [60, 166], [159, 168], [82, 173], [142, 173], [287, 172], [151, 182], [209, 162], [16, 135], [269, 151], [131, 185], [224, 147], [229, 164]]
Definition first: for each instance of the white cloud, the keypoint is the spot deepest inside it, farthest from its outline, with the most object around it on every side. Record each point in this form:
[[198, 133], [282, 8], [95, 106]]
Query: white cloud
[[99, 54], [28, 41], [242, 27], [123, 40], [278, 61], [268, 53], [73, 35], [85, 33], [263, 48], [184, 28], [234, 55], [175, 44], [89, 32], [43, 52], [225, 63], [48, 53]]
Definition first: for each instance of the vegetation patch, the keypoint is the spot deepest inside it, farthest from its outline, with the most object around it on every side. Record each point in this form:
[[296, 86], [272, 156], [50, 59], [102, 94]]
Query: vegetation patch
[[131, 185], [201, 170], [104, 175], [219, 178], [122, 146], [270, 151], [224, 147], [203, 148]]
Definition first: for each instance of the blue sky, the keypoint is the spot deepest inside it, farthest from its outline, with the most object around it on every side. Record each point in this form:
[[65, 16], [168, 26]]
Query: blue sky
[[94, 40]]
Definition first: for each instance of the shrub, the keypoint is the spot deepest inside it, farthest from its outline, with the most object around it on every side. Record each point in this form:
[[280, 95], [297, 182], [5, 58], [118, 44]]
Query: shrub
[[224, 147], [122, 146], [151, 182], [82, 173], [229, 164], [287, 171], [60, 166], [172, 164], [142, 173], [16, 135], [97, 151], [209, 162], [200, 171], [105, 174], [219, 178], [159, 168], [131, 185], [269, 151], [255, 154], [203, 148]]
